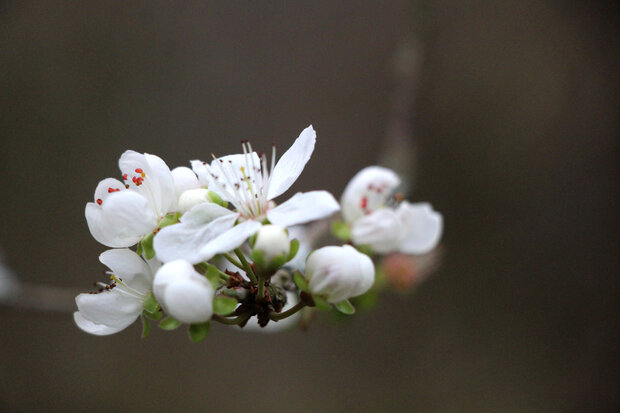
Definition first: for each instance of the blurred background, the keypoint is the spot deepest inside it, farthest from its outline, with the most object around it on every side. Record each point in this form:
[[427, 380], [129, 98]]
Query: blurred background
[[513, 110]]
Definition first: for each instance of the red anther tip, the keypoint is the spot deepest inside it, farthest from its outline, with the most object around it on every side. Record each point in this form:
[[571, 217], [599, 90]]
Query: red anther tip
[[99, 201], [139, 170], [124, 177]]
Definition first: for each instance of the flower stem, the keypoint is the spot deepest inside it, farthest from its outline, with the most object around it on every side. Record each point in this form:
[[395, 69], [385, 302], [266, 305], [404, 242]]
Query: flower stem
[[231, 321], [287, 313], [232, 260], [246, 266]]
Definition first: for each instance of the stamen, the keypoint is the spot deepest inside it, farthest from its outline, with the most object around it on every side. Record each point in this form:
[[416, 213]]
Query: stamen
[[99, 201]]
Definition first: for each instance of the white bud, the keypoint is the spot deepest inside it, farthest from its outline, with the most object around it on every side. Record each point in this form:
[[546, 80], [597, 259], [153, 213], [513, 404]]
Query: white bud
[[339, 273], [183, 293], [272, 241], [367, 191], [191, 198]]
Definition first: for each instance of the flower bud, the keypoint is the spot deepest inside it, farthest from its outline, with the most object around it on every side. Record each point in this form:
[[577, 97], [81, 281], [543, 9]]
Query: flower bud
[[339, 273], [272, 241], [191, 198], [183, 293]]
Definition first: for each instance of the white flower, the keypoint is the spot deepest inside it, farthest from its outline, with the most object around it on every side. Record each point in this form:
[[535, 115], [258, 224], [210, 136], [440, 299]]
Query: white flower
[[272, 241], [408, 228], [339, 273], [123, 213], [245, 181], [118, 304], [183, 293]]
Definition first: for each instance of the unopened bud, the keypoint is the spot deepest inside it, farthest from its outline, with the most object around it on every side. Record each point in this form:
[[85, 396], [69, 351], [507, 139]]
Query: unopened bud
[[191, 198], [272, 241]]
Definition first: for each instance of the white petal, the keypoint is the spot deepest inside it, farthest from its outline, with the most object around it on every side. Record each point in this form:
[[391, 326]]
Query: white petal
[[382, 231], [125, 218], [303, 207], [128, 266], [184, 179], [157, 185], [229, 240], [203, 171], [185, 240], [290, 165], [111, 308], [96, 329], [367, 191], [99, 228], [204, 213], [424, 227], [107, 187]]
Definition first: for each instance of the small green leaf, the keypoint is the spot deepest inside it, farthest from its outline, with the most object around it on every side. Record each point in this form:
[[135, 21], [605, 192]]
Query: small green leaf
[[223, 305], [198, 332], [169, 219], [147, 246], [258, 257], [300, 282], [345, 307], [341, 230], [151, 305], [146, 327], [294, 249], [213, 275], [169, 323], [215, 198], [320, 303]]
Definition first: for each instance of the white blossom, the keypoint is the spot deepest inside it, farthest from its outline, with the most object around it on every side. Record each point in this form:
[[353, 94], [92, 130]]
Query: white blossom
[[383, 226], [245, 181], [118, 304], [124, 212], [184, 293], [339, 273]]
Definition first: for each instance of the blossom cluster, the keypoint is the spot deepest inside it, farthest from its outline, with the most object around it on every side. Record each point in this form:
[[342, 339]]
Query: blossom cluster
[[210, 242]]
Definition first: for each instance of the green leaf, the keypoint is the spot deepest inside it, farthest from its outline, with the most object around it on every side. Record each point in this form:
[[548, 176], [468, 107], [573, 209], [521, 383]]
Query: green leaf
[[169, 323], [151, 305], [294, 249], [169, 219], [198, 332], [300, 282], [147, 246], [223, 305], [345, 307], [341, 230], [320, 303], [146, 327], [213, 275]]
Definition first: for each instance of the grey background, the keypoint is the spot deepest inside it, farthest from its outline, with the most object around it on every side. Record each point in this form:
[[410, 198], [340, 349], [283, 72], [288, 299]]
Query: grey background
[[516, 129]]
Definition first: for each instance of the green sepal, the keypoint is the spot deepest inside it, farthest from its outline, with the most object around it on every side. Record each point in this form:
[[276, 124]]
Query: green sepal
[[341, 230], [213, 275], [169, 323], [151, 305], [216, 199], [146, 326], [294, 249], [258, 257], [320, 303], [147, 246], [169, 219], [345, 307], [224, 305], [156, 316], [198, 332], [278, 261], [300, 282], [139, 250]]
